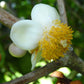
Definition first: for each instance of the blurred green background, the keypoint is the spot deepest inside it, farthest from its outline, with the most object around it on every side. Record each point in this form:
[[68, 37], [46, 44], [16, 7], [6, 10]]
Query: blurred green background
[[11, 68]]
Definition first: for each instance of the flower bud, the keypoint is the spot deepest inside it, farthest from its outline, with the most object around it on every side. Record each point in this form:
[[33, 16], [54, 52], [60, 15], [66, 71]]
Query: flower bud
[[16, 51]]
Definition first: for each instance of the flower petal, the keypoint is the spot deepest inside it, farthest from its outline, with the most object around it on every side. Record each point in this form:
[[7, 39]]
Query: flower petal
[[35, 58], [15, 51], [44, 14], [26, 34]]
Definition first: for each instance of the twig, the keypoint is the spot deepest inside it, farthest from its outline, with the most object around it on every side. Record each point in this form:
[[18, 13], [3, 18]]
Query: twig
[[7, 19], [77, 65], [62, 11]]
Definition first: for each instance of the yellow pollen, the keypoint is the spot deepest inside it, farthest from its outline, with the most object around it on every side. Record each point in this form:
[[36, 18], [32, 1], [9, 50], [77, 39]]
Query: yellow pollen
[[56, 41]]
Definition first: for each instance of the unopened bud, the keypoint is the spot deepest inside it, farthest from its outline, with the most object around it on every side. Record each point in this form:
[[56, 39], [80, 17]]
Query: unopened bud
[[16, 51]]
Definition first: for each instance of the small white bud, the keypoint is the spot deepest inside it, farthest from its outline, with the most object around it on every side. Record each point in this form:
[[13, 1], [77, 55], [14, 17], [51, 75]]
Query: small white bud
[[16, 51]]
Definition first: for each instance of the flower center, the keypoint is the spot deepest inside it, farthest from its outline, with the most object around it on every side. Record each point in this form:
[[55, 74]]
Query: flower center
[[56, 41]]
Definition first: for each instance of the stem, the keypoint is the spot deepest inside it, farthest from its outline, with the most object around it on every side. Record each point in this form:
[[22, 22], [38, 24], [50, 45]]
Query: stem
[[7, 19], [62, 11], [77, 65]]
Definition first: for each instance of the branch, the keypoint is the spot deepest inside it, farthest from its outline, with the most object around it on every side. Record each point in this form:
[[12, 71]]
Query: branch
[[7, 19], [62, 11], [77, 65]]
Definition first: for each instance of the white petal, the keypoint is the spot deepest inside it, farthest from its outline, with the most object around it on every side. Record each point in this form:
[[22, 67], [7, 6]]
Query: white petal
[[44, 14], [26, 34], [35, 58], [15, 51]]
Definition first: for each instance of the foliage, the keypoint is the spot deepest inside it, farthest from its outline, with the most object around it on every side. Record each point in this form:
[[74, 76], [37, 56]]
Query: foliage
[[9, 65]]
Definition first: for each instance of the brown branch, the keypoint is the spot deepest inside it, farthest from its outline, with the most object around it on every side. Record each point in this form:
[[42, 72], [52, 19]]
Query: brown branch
[[7, 19], [72, 61], [62, 11]]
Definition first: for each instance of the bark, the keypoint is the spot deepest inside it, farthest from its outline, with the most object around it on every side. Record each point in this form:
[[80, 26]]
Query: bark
[[62, 11], [7, 19], [72, 61]]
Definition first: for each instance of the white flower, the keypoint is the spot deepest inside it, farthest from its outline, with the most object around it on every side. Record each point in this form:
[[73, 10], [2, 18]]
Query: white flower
[[27, 33], [44, 34]]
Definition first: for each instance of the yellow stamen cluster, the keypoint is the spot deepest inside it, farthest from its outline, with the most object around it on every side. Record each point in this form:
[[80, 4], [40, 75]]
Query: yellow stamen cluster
[[56, 41]]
